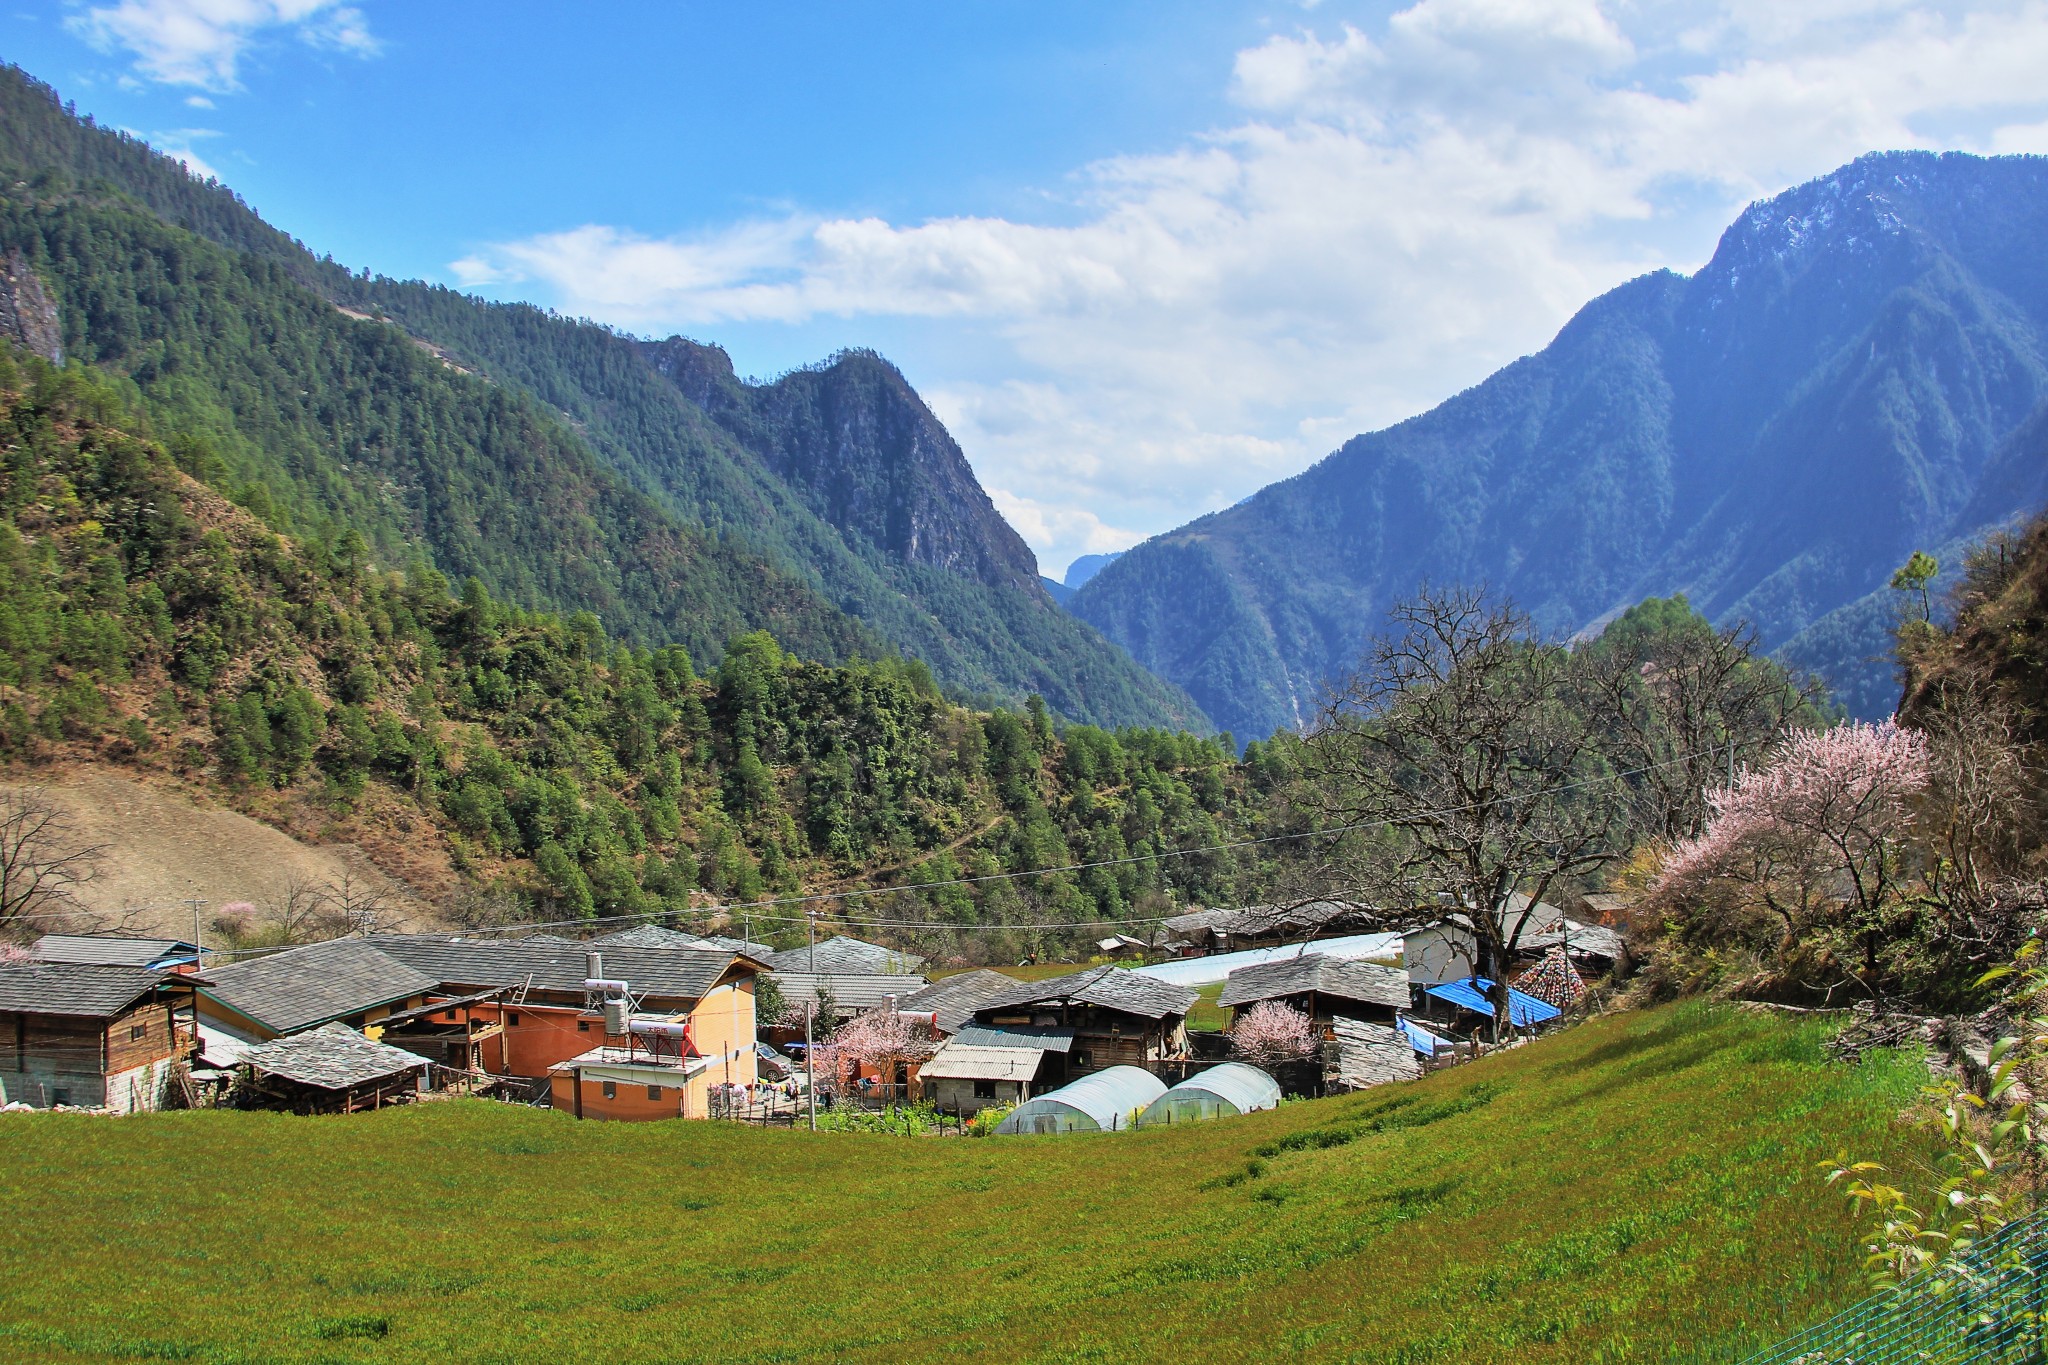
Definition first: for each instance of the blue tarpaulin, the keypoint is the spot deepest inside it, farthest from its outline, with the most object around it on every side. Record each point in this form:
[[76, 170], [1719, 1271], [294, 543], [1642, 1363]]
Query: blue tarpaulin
[[1470, 994], [1420, 1038]]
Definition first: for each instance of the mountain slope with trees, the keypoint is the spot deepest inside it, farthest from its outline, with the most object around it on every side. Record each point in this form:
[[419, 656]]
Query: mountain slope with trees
[[866, 529], [1853, 376]]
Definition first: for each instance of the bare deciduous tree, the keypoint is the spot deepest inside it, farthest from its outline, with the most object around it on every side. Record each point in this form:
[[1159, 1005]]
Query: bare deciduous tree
[[357, 899], [1675, 702], [43, 861], [1474, 748]]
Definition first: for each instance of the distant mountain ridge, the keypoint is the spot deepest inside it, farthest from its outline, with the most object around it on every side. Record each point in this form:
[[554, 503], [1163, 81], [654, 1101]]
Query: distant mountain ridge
[[834, 491], [1861, 370]]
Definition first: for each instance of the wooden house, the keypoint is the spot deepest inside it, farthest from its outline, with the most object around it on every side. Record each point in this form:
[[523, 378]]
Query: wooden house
[[343, 980], [1108, 1016], [1323, 988], [89, 1035]]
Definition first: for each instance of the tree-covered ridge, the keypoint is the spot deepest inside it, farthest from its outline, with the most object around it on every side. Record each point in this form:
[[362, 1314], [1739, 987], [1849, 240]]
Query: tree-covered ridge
[[146, 620], [1843, 383], [936, 582]]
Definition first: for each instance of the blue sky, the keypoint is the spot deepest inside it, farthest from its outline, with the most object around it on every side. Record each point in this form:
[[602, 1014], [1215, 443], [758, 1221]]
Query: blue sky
[[1143, 259]]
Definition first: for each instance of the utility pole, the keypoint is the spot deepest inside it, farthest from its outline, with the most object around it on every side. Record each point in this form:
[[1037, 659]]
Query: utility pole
[[198, 944], [810, 1008]]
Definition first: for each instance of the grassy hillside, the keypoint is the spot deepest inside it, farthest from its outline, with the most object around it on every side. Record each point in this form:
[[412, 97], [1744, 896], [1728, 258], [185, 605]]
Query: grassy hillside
[[1639, 1189]]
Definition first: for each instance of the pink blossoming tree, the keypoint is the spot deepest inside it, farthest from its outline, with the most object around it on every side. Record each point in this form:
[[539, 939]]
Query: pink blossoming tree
[[1815, 842], [878, 1040], [1272, 1032]]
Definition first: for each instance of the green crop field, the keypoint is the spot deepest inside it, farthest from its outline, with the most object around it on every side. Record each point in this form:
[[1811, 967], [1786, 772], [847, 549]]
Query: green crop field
[[1640, 1188]]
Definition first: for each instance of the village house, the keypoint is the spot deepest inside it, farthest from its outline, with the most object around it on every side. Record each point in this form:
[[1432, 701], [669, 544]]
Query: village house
[[1089, 1021], [543, 1010], [952, 1000], [1447, 951], [1323, 988], [90, 1035], [845, 955]]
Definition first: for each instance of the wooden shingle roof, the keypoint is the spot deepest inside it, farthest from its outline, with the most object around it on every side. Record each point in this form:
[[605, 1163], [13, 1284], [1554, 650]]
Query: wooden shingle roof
[[80, 990], [300, 987], [332, 1057], [1110, 988], [1364, 982], [954, 999]]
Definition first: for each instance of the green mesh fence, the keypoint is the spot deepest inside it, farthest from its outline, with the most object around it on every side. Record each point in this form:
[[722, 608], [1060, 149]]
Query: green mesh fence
[[1985, 1305]]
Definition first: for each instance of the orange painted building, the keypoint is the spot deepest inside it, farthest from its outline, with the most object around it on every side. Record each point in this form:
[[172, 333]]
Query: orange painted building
[[644, 1075]]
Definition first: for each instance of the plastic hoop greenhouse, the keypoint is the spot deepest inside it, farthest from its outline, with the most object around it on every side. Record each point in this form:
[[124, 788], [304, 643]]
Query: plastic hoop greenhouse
[[1220, 1092], [1105, 1102]]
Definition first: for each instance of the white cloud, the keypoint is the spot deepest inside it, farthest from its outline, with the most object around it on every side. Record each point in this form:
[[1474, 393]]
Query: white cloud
[[1403, 207], [201, 42]]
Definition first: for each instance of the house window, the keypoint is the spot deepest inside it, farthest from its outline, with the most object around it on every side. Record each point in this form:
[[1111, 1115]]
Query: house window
[[653, 1092], [583, 1026], [137, 1032], [512, 1019], [611, 1090], [59, 1095], [984, 1090], [1081, 1059]]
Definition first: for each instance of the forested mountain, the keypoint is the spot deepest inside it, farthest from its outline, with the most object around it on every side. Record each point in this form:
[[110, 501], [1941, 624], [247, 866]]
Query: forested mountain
[[1860, 371], [551, 459], [550, 770]]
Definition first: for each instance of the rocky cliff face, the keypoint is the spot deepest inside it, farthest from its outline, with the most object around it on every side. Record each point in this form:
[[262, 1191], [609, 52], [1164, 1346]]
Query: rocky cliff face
[[867, 454], [1842, 384], [28, 315]]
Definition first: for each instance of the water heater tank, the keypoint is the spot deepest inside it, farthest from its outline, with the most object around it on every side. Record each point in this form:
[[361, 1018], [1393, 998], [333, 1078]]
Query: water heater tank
[[615, 1012]]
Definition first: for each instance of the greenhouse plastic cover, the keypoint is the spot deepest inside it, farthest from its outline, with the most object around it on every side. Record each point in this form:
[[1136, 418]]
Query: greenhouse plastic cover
[[1203, 971], [1232, 1088], [1523, 1010], [1102, 1101]]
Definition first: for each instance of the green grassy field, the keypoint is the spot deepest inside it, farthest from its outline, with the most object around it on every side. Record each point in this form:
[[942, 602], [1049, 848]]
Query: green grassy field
[[1640, 1188]]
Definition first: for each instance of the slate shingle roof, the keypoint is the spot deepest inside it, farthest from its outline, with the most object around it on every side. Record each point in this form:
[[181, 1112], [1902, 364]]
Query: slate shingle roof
[[300, 987], [332, 1057], [1110, 988], [1595, 940], [851, 991], [1315, 917], [955, 998], [1364, 982], [87, 990], [843, 956], [666, 974], [1372, 1054], [646, 936], [108, 950]]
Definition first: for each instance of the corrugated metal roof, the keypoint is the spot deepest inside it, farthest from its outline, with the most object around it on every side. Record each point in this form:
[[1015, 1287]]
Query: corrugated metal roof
[[111, 950], [1103, 1102], [954, 999], [332, 1057], [959, 1062], [299, 987], [1107, 987], [1017, 1035], [1523, 1010], [849, 991], [75, 989], [1231, 1088], [1365, 982]]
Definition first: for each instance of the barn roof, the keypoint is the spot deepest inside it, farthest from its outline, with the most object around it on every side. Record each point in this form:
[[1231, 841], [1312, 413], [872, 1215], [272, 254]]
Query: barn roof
[[332, 1057], [77, 989], [954, 999], [1365, 982], [1110, 988], [299, 987]]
